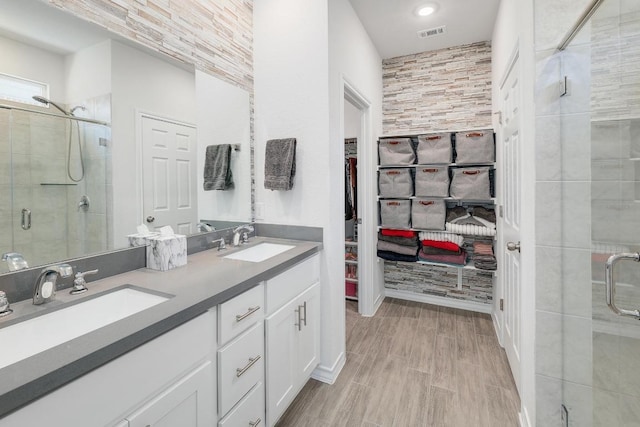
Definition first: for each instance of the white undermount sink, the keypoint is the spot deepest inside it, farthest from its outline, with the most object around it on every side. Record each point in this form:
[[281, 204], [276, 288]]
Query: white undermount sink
[[32, 336], [259, 252]]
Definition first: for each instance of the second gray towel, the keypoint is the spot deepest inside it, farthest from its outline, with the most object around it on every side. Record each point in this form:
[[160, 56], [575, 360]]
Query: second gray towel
[[217, 168], [280, 164]]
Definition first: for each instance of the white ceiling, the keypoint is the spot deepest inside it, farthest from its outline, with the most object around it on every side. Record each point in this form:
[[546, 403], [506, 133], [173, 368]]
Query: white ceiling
[[393, 26]]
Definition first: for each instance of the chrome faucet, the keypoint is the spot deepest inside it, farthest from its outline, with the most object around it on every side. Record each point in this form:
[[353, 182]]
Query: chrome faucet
[[5, 309], [244, 229], [45, 287], [15, 261], [79, 284], [221, 243]]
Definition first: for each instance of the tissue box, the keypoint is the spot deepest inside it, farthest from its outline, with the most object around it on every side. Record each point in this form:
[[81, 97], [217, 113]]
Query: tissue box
[[166, 252], [140, 239]]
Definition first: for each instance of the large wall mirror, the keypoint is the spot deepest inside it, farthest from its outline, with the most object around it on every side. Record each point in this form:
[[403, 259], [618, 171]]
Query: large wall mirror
[[99, 135]]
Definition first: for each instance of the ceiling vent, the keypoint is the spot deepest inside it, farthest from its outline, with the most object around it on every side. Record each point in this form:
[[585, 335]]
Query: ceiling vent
[[432, 32]]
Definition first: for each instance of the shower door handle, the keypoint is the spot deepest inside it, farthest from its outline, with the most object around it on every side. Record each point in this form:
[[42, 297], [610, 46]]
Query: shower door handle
[[26, 219], [610, 283]]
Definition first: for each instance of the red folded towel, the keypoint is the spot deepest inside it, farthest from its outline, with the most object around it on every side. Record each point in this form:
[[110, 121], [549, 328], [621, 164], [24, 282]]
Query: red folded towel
[[397, 233], [442, 245]]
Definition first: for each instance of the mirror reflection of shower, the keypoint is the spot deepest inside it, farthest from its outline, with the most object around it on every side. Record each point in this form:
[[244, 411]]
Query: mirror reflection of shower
[[71, 113]]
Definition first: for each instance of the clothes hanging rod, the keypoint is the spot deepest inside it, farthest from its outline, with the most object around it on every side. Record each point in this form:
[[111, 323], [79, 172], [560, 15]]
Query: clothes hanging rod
[[44, 113], [573, 32]]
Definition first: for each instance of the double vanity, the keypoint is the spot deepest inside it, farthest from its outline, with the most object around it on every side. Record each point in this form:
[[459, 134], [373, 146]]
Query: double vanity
[[228, 339]]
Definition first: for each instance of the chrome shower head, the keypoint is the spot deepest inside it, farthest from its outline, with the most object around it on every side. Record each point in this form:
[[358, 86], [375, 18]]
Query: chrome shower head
[[46, 101]]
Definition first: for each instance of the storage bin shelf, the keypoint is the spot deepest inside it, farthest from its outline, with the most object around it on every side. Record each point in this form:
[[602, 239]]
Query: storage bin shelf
[[350, 280], [351, 298], [490, 201], [352, 262], [348, 243], [418, 165]]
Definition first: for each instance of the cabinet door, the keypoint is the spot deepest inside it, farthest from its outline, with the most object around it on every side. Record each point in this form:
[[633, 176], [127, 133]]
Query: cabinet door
[[309, 335], [281, 354], [187, 403]]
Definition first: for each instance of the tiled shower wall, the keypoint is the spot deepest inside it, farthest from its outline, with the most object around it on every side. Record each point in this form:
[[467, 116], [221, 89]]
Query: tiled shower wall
[[216, 36], [445, 89]]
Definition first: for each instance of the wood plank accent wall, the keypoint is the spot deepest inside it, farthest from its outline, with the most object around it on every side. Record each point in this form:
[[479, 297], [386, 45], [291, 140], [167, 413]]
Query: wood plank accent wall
[[216, 36], [446, 89]]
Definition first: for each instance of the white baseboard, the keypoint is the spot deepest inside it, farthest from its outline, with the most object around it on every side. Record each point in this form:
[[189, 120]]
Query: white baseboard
[[497, 328], [436, 300], [524, 418], [329, 375]]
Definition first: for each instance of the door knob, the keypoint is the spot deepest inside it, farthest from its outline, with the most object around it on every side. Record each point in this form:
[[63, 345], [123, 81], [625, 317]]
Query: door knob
[[150, 218], [513, 246]]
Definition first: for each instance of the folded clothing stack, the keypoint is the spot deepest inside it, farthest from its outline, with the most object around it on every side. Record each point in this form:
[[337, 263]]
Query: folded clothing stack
[[481, 223], [483, 257], [398, 245], [443, 248]]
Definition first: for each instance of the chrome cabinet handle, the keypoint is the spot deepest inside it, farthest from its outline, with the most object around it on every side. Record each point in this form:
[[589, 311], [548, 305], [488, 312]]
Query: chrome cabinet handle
[[299, 323], [611, 285], [26, 219], [240, 317], [255, 423], [513, 246], [304, 307], [252, 361]]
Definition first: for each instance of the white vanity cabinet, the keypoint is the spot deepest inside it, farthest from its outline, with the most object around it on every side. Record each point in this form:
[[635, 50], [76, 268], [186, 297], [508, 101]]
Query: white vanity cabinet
[[158, 384], [292, 333]]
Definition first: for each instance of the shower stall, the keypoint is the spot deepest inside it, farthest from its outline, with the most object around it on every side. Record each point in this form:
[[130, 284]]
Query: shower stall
[[588, 211], [55, 181]]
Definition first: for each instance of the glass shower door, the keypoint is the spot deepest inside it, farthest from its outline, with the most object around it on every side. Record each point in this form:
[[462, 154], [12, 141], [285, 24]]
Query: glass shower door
[[604, 62]]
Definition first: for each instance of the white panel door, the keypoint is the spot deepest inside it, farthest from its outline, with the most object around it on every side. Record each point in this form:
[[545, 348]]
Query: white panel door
[[169, 174], [510, 271]]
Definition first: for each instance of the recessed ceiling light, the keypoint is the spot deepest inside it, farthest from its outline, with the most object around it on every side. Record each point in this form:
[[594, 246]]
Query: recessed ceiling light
[[426, 9]]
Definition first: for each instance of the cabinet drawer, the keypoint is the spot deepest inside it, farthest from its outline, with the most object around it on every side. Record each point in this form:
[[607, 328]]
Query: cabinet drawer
[[282, 288], [240, 313], [249, 412], [240, 367]]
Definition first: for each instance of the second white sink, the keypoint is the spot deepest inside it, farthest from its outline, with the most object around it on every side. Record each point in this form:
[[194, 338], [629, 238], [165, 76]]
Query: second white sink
[[29, 337], [260, 252]]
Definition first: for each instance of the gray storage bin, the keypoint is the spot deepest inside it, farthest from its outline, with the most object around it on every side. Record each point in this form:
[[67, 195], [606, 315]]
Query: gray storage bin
[[475, 147], [395, 213], [428, 214], [470, 183], [395, 183], [432, 181], [434, 148], [396, 151]]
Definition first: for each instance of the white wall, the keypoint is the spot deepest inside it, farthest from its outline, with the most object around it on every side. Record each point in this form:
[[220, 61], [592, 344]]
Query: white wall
[[299, 61], [223, 117], [29, 62], [352, 128], [140, 82], [354, 59], [88, 73]]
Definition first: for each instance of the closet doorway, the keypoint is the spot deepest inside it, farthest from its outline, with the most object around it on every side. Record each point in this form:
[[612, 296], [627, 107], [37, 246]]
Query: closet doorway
[[362, 273]]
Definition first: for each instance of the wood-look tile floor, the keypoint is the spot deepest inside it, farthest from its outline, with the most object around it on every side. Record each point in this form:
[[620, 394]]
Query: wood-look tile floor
[[413, 365]]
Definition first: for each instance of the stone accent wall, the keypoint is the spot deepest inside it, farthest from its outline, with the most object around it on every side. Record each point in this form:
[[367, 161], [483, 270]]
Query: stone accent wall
[[216, 36], [446, 89], [442, 281]]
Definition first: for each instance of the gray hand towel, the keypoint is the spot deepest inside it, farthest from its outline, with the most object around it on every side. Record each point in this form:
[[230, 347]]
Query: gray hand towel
[[217, 168], [280, 164]]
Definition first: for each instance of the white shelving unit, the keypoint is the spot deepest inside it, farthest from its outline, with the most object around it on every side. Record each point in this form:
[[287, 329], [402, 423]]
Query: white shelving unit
[[460, 270]]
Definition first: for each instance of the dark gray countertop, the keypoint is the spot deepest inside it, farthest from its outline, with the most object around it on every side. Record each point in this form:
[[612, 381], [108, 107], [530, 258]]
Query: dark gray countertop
[[206, 281]]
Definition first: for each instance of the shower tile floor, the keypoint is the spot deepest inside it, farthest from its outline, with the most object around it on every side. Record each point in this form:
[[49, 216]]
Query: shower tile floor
[[414, 364]]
